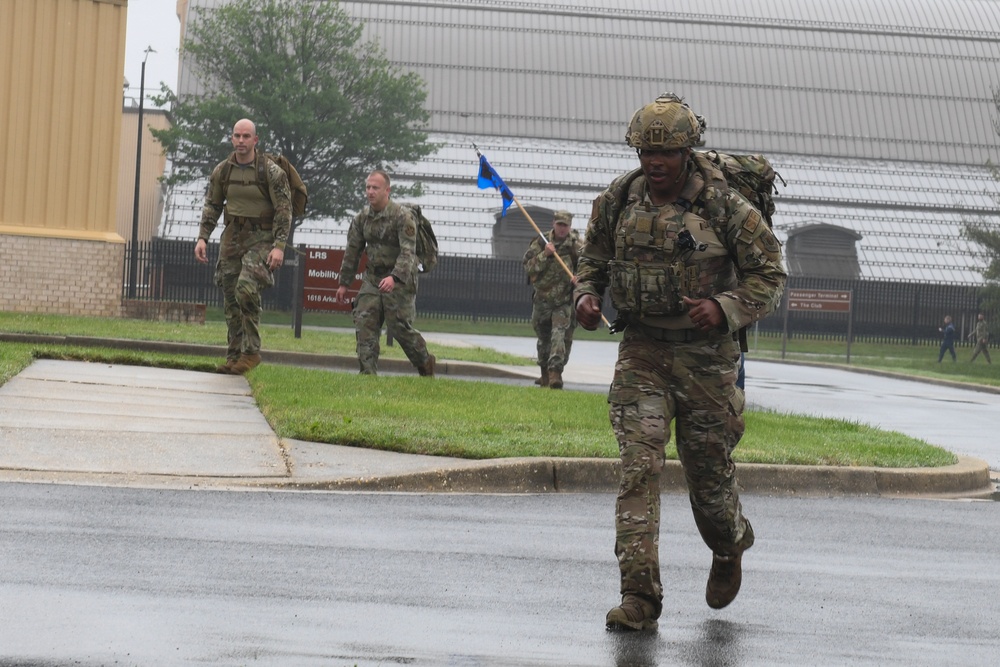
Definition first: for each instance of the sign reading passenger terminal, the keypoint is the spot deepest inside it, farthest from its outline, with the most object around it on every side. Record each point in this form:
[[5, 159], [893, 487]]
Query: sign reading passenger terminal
[[322, 280], [837, 301]]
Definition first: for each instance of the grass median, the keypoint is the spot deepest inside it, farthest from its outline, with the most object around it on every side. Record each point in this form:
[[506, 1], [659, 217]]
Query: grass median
[[443, 416]]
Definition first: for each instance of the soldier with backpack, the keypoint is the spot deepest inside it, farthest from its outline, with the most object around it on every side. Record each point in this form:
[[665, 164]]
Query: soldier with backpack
[[257, 219], [688, 262], [388, 232], [552, 315]]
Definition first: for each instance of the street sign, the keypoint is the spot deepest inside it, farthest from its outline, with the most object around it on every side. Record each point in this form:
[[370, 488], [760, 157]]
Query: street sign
[[819, 301], [322, 279], [836, 301]]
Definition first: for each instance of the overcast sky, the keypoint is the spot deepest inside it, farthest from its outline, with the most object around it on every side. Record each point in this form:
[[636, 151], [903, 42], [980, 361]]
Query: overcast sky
[[152, 23]]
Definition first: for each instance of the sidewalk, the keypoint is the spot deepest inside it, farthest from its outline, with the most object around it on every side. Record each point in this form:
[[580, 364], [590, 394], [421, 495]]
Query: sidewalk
[[87, 423]]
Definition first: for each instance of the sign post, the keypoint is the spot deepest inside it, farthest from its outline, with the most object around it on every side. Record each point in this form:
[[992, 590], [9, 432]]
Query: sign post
[[820, 301]]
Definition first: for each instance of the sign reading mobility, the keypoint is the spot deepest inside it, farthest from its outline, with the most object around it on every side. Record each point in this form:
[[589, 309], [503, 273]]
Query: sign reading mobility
[[322, 279], [819, 301]]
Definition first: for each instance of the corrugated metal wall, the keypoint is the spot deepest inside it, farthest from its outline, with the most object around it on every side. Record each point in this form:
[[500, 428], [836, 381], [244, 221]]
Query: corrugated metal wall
[[893, 79], [60, 116], [153, 162], [878, 114]]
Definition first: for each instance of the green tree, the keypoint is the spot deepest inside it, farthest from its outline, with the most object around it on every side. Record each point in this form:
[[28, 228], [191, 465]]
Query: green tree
[[332, 104], [987, 235]]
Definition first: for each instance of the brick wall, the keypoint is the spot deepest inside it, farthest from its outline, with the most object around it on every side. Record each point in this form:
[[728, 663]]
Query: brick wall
[[64, 276]]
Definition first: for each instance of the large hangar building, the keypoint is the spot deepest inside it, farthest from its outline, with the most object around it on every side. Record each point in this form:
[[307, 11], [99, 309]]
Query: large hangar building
[[879, 116]]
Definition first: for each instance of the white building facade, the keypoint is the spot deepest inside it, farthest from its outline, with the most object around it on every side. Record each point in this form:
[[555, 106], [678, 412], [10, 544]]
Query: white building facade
[[879, 116]]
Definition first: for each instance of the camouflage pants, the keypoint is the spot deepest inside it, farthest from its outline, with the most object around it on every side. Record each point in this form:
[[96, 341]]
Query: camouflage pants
[[242, 273], [396, 311], [554, 326], [693, 384], [981, 347]]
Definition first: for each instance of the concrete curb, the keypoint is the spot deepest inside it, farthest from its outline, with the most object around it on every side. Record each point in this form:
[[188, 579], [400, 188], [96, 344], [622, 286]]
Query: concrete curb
[[307, 359], [968, 478]]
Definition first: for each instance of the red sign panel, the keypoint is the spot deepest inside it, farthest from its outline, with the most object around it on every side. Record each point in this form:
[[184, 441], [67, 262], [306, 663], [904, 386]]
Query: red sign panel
[[837, 301], [319, 291]]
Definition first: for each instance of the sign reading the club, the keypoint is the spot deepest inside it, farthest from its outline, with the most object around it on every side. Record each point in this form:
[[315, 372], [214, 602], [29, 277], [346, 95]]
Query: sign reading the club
[[836, 301], [322, 279]]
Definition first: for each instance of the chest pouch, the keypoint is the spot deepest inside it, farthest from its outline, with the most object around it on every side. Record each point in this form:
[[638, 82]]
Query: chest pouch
[[647, 276]]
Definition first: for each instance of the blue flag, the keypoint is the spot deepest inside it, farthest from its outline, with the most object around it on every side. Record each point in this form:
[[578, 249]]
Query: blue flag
[[489, 178]]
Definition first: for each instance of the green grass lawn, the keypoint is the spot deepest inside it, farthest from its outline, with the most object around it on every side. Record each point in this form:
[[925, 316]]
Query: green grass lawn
[[913, 360], [474, 419]]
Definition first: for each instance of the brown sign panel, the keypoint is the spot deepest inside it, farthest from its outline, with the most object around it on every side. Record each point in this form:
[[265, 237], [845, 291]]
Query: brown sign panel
[[837, 301], [319, 291]]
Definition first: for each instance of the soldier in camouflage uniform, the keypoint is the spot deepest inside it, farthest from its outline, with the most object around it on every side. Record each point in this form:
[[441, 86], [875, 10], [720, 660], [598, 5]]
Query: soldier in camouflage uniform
[[257, 219], [981, 335], [689, 262], [388, 295], [552, 313]]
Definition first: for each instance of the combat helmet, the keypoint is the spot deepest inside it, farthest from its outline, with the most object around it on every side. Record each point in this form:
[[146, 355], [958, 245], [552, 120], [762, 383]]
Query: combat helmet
[[665, 123], [565, 217]]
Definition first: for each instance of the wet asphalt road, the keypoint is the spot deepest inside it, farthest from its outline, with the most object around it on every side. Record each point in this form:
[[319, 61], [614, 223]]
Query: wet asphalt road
[[112, 576]]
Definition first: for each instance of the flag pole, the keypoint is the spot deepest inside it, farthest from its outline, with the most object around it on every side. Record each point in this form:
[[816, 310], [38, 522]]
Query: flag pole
[[556, 255], [497, 183], [544, 240]]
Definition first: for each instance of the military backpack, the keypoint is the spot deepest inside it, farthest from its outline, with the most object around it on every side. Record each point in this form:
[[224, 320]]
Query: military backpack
[[750, 175], [427, 245], [298, 190]]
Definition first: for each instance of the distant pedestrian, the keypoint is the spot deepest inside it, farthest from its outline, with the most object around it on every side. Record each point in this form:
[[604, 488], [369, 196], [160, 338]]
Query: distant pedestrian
[[981, 335], [947, 339], [253, 192], [552, 314], [388, 233]]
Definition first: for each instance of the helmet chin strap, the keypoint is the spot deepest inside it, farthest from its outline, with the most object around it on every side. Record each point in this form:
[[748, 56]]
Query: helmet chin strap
[[683, 172]]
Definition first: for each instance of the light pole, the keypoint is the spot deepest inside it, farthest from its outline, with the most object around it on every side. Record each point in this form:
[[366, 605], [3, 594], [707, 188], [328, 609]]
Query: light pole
[[133, 268]]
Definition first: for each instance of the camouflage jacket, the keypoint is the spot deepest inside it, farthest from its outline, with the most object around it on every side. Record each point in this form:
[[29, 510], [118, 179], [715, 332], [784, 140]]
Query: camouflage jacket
[[242, 198], [982, 332], [390, 239], [551, 282], [736, 260]]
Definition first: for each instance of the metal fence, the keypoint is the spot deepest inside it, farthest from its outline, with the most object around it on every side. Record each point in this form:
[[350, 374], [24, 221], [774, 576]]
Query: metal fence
[[477, 288]]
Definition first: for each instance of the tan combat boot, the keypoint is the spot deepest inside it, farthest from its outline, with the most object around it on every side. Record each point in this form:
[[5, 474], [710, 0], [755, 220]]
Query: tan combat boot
[[634, 613], [427, 370], [724, 580], [226, 368], [543, 381], [555, 379], [245, 363]]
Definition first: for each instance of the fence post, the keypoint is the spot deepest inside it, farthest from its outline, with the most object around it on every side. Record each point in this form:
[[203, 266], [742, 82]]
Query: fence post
[[298, 284], [477, 283]]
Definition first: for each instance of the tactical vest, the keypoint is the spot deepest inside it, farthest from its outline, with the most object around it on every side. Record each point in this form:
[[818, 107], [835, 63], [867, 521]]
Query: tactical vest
[[664, 253], [244, 198]]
